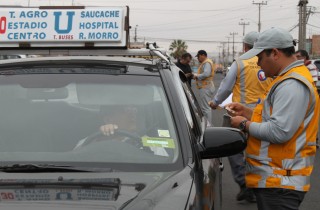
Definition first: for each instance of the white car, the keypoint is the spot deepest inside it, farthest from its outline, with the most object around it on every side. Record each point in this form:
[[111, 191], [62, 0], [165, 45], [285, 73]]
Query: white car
[[316, 62], [3, 57]]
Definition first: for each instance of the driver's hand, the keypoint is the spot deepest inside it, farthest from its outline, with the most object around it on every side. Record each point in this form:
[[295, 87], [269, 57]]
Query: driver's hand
[[108, 129]]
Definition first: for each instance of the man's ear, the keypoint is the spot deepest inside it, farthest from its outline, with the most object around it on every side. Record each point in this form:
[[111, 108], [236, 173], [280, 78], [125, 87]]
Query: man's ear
[[276, 53]]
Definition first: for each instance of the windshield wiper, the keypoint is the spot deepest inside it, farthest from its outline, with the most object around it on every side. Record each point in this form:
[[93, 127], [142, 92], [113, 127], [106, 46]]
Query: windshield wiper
[[77, 183], [34, 168]]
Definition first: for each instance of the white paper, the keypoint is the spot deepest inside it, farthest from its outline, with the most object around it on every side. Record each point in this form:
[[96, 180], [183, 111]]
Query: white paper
[[227, 101]]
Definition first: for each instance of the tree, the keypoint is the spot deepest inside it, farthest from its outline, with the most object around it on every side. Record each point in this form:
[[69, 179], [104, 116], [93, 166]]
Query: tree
[[178, 47]]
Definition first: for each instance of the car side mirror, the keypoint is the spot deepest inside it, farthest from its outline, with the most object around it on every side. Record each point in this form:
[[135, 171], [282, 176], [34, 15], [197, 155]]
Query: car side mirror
[[222, 142]]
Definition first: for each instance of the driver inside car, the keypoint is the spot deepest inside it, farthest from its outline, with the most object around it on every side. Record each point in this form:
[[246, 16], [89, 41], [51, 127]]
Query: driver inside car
[[123, 116], [123, 123]]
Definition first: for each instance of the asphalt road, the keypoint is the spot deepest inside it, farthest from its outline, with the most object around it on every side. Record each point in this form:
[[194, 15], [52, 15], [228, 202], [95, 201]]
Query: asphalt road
[[230, 188]]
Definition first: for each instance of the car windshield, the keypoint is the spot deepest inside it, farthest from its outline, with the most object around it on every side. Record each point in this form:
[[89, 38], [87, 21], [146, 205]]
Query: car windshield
[[85, 118]]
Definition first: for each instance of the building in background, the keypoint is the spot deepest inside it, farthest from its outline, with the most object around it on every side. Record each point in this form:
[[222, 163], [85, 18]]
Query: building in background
[[315, 52]]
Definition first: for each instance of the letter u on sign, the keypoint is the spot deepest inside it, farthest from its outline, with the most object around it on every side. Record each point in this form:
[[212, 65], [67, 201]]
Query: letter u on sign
[[57, 22]]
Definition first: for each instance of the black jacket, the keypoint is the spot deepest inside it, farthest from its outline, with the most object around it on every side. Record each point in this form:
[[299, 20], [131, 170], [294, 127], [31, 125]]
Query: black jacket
[[186, 69]]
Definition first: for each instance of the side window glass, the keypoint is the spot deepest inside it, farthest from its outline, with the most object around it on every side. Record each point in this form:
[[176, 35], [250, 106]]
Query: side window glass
[[189, 103], [183, 98], [194, 106]]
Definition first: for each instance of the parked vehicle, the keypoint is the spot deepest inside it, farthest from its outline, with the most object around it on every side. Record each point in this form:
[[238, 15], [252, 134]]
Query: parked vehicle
[[219, 70], [316, 62], [2, 57], [226, 70], [57, 151]]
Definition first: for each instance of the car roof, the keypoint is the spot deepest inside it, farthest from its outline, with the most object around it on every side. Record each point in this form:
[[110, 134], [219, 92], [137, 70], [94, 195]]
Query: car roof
[[133, 65], [139, 61]]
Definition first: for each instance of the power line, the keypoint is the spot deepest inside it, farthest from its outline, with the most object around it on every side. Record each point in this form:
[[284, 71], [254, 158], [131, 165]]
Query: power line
[[313, 25], [188, 40]]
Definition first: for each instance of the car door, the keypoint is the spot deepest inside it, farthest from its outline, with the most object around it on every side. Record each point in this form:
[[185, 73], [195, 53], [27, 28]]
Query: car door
[[207, 174]]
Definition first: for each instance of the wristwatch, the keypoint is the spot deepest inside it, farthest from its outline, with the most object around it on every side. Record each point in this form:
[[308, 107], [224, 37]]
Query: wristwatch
[[242, 125]]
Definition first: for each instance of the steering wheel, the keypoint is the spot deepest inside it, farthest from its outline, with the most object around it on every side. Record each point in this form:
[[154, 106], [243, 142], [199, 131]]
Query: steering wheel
[[135, 138]]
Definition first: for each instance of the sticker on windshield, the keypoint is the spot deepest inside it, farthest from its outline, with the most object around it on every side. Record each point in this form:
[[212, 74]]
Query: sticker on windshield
[[163, 133], [157, 142]]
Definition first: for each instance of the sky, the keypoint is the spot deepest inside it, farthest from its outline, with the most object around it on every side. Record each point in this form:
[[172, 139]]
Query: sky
[[202, 24]]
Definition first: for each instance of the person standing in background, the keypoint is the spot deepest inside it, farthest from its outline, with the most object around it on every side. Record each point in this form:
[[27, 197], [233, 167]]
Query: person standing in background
[[183, 64], [204, 83], [303, 55]]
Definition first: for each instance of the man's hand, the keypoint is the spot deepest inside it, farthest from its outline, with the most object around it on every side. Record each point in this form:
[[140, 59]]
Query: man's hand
[[237, 109], [212, 105], [108, 129], [189, 75], [195, 76]]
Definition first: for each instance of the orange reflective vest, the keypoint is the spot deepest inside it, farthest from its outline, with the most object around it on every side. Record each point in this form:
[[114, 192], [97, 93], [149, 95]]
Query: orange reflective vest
[[287, 165], [207, 81], [251, 82]]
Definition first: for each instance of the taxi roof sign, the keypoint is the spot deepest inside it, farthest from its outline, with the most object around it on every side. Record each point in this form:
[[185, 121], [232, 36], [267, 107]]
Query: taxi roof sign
[[64, 27]]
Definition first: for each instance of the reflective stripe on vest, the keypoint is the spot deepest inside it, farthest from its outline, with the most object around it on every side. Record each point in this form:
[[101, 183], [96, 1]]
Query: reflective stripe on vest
[[290, 164], [203, 83], [251, 82]]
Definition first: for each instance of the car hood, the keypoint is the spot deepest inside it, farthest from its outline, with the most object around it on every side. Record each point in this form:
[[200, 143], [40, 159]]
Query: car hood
[[100, 191]]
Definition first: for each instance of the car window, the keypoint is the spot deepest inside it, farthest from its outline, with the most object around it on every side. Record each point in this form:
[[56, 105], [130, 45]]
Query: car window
[[183, 97], [58, 118], [194, 106]]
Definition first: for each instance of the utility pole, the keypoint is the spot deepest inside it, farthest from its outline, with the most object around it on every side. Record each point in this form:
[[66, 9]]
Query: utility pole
[[219, 54], [302, 23], [260, 4], [135, 33], [244, 24], [228, 54], [233, 52], [223, 55]]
